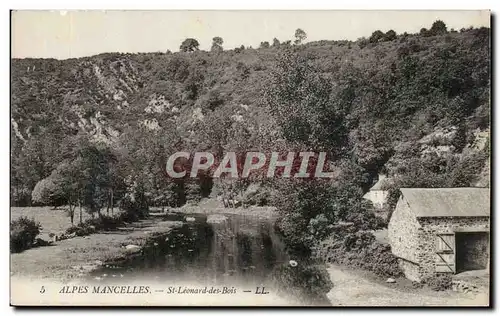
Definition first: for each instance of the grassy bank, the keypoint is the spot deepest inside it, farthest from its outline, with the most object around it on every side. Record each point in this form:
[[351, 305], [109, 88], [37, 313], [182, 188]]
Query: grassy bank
[[52, 220], [71, 258]]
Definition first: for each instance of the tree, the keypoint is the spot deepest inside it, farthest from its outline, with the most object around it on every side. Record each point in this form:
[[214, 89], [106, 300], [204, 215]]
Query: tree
[[70, 185], [59, 188], [44, 191], [377, 36], [264, 44], [189, 45], [217, 44], [300, 36], [276, 42], [390, 35], [425, 32], [299, 98], [438, 28], [95, 162]]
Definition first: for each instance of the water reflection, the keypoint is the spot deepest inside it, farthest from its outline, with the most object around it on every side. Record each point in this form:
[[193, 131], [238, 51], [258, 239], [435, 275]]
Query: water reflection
[[231, 250], [234, 248]]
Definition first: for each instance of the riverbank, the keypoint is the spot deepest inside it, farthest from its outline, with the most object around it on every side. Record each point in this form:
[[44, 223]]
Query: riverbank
[[214, 206], [69, 264], [75, 257]]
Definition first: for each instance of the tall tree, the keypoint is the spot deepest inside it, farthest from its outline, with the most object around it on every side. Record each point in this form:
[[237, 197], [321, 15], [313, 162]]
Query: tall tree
[[300, 101], [217, 44], [300, 36], [438, 27], [189, 45]]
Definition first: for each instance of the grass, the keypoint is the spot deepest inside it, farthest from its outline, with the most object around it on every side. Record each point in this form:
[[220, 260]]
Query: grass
[[52, 221], [61, 259]]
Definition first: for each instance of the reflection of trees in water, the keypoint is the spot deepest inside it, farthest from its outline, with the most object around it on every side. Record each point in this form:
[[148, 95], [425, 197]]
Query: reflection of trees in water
[[237, 249], [244, 249], [269, 253], [240, 247], [184, 249], [245, 246]]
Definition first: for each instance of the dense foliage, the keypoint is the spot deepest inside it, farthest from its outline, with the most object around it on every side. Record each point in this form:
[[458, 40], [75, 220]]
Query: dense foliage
[[306, 281], [23, 232]]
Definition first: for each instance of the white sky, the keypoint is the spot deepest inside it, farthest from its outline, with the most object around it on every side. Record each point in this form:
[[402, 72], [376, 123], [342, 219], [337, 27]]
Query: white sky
[[67, 34]]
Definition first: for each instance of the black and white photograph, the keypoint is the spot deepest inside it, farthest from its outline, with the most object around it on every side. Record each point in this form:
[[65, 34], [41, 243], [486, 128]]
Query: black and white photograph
[[306, 158]]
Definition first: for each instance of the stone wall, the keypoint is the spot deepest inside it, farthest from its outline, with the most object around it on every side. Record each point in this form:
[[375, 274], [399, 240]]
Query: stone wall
[[410, 269], [403, 230], [427, 236]]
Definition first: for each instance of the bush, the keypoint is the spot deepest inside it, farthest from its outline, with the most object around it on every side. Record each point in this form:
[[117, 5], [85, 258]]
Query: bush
[[440, 282], [137, 208], [91, 226], [23, 232], [307, 281], [84, 229], [109, 223], [360, 250]]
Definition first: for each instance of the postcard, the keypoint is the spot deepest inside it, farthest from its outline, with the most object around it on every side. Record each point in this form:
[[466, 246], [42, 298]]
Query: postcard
[[250, 158]]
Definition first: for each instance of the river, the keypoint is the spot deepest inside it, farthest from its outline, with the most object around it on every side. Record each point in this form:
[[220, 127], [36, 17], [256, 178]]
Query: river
[[242, 252]]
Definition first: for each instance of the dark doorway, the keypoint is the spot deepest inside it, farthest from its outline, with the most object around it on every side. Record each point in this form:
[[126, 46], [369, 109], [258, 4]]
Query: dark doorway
[[472, 251]]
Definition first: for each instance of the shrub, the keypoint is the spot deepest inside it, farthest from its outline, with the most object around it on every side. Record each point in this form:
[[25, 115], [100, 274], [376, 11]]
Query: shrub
[[109, 222], [360, 249], [307, 281], [128, 217], [84, 229], [91, 226], [440, 282], [23, 232], [137, 207]]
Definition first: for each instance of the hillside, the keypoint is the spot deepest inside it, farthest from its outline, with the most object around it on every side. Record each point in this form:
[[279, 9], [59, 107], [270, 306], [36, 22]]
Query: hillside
[[410, 106]]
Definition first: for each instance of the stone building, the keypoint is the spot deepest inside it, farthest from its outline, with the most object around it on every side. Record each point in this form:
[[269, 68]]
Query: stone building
[[443, 230], [377, 195]]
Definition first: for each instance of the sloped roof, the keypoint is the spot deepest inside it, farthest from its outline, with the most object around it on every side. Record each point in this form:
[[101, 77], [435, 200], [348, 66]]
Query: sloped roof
[[378, 185], [448, 202]]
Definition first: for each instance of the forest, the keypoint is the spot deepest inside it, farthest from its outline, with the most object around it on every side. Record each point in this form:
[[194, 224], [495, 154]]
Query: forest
[[94, 133]]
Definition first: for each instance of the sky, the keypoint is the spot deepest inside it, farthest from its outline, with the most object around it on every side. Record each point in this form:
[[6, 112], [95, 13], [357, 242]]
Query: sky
[[72, 34]]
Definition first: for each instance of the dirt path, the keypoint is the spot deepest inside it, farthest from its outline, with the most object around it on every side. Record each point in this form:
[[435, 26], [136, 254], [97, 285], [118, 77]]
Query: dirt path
[[355, 288]]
